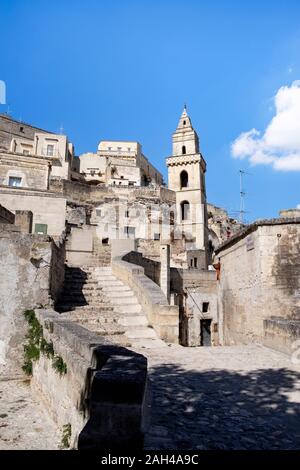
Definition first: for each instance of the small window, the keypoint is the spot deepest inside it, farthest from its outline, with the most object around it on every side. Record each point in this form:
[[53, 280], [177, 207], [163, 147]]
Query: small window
[[183, 150], [15, 181], [122, 177], [129, 231], [127, 214], [41, 229], [98, 212], [157, 236], [105, 241], [205, 306], [185, 210], [21, 129], [195, 262], [191, 262], [50, 150], [184, 123]]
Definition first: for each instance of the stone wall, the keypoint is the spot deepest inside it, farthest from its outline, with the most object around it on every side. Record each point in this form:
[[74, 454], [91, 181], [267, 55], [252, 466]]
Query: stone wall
[[32, 171], [163, 317], [101, 396], [259, 279], [76, 191], [31, 268], [10, 128], [151, 268], [47, 208]]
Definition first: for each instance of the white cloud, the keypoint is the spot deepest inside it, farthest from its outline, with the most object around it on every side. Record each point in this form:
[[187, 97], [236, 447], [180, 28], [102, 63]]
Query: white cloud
[[279, 145]]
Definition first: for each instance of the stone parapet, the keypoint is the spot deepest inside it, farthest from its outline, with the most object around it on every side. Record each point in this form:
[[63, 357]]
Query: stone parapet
[[101, 395], [164, 318], [281, 334]]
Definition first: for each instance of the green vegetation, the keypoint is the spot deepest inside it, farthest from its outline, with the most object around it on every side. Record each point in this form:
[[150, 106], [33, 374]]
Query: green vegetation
[[37, 344], [66, 435], [59, 365]]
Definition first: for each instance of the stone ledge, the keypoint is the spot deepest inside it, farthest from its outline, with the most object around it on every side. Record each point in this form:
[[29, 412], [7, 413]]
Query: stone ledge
[[102, 379]]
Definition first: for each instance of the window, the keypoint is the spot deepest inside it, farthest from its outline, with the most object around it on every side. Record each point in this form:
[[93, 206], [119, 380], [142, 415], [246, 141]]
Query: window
[[15, 181], [185, 210], [184, 123], [119, 149], [98, 212], [122, 177], [50, 150], [184, 179], [129, 231], [195, 262], [21, 129], [41, 229], [191, 262], [183, 150], [126, 213], [157, 236], [205, 306]]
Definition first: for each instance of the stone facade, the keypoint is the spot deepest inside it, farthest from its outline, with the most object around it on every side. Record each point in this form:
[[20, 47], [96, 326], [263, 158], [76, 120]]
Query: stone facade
[[259, 281]]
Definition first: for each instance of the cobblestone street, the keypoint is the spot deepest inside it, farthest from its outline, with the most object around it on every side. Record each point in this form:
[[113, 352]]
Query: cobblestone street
[[223, 398], [24, 425], [245, 397]]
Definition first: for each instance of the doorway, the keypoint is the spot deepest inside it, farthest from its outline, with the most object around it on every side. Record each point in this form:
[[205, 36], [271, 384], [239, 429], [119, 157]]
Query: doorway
[[205, 331]]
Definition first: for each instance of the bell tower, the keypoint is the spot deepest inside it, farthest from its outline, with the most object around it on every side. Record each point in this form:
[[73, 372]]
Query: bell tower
[[186, 176]]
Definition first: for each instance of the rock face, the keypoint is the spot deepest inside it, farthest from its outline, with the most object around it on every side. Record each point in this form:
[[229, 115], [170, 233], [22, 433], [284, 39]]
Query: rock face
[[31, 270]]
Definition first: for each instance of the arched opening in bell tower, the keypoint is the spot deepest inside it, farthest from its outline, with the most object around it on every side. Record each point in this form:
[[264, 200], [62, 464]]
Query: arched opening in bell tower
[[184, 179], [185, 210]]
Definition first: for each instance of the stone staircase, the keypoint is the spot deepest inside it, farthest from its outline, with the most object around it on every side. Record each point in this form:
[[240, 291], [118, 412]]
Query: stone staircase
[[96, 299]]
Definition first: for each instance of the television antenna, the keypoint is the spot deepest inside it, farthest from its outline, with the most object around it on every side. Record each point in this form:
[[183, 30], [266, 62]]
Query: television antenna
[[243, 194]]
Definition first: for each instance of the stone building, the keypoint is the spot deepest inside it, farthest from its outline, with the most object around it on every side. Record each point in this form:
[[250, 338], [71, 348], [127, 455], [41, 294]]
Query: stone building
[[259, 285], [113, 204], [119, 163]]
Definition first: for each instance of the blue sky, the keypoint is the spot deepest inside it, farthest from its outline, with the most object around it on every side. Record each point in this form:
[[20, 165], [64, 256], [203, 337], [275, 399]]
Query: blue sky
[[122, 69]]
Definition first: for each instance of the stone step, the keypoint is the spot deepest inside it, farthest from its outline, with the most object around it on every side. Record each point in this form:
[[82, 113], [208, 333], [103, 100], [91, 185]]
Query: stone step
[[85, 308], [141, 332], [133, 320], [124, 294], [90, 294], [126, 309], [109, 283], [115, 289], [125, 300]]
